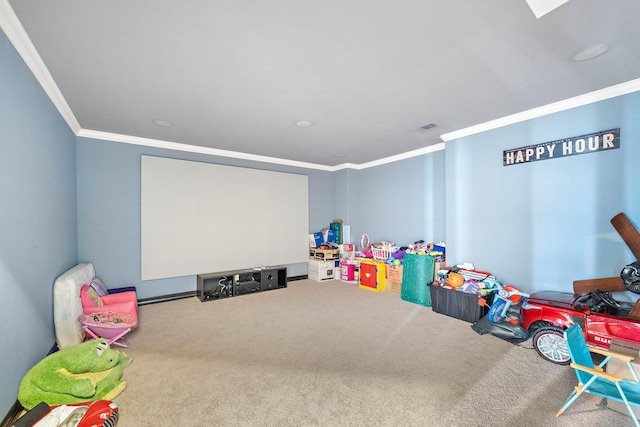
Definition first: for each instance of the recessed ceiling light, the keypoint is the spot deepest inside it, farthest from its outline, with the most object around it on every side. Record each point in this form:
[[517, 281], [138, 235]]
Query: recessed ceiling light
[[162, 123], [304, 124], [339, 155], [590, 52]]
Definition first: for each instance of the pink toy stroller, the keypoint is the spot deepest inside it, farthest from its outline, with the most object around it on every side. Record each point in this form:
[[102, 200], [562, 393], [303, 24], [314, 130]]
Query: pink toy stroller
[[108, 325]]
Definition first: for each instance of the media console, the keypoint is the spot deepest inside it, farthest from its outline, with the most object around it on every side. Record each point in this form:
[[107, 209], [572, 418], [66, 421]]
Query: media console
[[226, 284]]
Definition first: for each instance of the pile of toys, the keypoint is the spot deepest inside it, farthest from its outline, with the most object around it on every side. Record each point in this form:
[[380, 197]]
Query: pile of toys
[[387, 254], [465, 278], [393, 254]]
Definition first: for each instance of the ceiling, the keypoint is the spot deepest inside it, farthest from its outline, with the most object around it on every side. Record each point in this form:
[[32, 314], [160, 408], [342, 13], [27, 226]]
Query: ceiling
[[237, 75]]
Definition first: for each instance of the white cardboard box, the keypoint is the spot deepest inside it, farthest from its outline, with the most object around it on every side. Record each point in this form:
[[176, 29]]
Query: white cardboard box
[[321, 270]]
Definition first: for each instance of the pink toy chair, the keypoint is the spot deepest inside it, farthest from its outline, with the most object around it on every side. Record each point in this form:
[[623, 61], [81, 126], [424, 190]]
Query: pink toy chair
[[108, 325], [109, 316]]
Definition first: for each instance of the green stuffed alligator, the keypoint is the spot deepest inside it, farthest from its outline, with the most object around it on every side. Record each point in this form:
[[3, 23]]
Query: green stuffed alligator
[[81, 373]]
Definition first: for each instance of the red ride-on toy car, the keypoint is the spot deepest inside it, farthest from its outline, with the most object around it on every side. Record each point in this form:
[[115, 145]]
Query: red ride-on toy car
[[99, 413], [546, 314]]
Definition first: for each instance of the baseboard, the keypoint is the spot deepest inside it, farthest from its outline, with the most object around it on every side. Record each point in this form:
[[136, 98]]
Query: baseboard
[[189, 294], [16, 409], [12, 416], [165, 298]]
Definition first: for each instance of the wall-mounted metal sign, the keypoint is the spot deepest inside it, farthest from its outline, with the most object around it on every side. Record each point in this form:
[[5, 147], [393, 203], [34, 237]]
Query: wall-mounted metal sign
[[599, 141]]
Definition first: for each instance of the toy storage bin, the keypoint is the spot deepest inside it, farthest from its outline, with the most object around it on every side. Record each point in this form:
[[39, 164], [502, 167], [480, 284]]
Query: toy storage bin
[[417, 275], [373, 275], [394, 278], [348, 270], [458, 304]]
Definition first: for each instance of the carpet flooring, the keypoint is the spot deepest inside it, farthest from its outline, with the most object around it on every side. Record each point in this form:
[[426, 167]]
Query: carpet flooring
[[333, 354]]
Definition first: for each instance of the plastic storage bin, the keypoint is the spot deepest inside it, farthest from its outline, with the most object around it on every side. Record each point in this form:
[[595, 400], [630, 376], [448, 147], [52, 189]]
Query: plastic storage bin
[[417, 275], [458, 304]]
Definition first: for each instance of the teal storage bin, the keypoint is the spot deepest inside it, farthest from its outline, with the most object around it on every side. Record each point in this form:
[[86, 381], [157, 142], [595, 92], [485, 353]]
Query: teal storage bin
[[417, 275]]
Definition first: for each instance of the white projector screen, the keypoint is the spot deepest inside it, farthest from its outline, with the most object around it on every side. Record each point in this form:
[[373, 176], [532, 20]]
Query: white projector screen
[[204, 218]]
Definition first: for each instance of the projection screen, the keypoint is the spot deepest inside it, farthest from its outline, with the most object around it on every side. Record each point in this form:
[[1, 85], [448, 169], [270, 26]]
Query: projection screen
[[203, 218]]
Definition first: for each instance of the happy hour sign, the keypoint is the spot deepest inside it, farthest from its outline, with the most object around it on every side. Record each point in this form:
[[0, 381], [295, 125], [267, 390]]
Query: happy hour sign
[[599, 141]]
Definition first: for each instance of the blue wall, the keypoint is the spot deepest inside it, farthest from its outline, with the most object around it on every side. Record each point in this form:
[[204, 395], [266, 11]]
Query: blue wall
[[400, 202], [543, 224], [37, 218]]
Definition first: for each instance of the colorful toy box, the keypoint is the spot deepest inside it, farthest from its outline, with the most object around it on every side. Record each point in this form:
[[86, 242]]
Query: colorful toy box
[[373, 275], [348, 270]]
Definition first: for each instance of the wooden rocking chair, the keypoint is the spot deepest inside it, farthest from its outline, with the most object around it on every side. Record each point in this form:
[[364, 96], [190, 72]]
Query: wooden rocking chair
[[631, 237]]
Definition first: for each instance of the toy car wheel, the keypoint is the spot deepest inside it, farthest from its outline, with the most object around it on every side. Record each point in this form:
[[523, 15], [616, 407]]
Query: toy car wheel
[[550, 344], [494, 312]]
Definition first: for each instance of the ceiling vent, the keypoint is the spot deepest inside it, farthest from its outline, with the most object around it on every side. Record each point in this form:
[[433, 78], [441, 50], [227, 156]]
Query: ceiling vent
[[425, 128]]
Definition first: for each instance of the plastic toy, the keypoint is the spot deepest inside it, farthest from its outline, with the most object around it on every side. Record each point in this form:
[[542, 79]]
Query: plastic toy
[[505, 301], [109, 325], [365, 244], [547, 314], [101, 413], [84, 372], [455, 280], [502, 320]]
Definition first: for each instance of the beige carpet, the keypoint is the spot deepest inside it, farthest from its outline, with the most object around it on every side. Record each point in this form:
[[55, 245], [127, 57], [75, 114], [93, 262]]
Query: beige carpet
[[332, 354]]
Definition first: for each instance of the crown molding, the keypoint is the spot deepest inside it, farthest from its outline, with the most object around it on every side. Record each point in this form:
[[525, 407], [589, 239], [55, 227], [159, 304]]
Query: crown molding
[[167, 145], [391, 159], [566, 104], [15, 32]]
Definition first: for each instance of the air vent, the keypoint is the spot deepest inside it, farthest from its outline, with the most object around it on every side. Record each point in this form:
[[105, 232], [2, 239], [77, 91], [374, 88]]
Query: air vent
[[426, 127]]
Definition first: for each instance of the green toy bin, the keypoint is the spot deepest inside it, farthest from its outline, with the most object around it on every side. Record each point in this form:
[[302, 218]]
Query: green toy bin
[[417, 275]]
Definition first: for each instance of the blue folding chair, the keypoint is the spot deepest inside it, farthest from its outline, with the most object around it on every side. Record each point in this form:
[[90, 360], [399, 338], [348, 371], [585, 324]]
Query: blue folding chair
[[593, 379]]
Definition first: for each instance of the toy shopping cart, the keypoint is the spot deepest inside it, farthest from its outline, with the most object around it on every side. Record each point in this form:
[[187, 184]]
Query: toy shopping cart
[[108, 325]]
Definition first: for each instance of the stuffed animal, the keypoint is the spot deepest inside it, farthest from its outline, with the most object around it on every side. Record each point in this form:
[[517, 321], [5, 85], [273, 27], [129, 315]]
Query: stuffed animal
[[84, 372]]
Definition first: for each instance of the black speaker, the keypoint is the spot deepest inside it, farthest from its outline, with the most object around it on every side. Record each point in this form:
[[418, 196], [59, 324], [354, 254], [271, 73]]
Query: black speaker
[[269, 280], [273, 279]]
